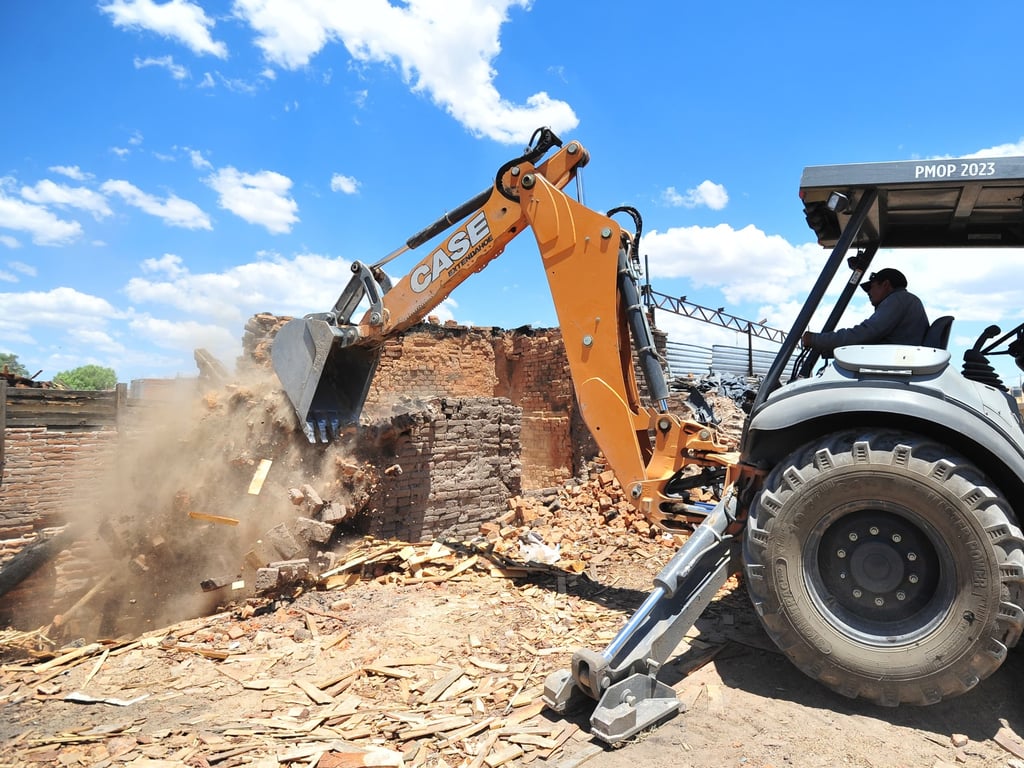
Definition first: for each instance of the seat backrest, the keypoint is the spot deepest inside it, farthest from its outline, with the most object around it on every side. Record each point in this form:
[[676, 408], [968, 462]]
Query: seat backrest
[[937, 335]]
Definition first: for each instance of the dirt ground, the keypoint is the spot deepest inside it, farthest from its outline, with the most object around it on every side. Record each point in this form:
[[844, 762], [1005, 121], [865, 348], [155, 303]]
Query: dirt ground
[[418, 655], [446, 670]]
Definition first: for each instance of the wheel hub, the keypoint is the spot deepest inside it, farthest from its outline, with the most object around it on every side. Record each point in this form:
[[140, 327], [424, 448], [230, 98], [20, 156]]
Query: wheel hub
[[877, 566]]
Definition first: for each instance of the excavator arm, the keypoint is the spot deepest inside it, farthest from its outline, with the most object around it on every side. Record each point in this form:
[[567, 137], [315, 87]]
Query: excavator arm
[[326, 362]]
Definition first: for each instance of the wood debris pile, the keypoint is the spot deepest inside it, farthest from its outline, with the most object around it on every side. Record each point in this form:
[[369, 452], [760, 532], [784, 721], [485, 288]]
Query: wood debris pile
[[16, 380], [404, 654]]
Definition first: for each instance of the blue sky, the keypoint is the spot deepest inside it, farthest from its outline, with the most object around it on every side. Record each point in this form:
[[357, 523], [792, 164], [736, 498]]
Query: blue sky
[[168, 169]]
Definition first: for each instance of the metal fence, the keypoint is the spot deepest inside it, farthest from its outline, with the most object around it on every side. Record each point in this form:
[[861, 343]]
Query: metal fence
[[687, 359], [690, 359]]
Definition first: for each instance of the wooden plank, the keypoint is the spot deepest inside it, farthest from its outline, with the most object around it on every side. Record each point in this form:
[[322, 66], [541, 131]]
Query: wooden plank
[[490, 666], [439, 726], [32, 407], [465, 733], [259, 477], [85, 650], [1007, 739], [433, 692], [213, 518], [380, 669], [506, 754], [315, 694]]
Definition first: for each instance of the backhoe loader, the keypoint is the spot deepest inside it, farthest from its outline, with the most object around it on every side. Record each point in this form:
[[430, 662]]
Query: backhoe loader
[[872, 507]]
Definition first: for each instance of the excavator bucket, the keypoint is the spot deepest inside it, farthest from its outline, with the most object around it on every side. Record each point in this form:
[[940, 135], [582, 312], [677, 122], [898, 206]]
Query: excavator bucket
[[325, 380]]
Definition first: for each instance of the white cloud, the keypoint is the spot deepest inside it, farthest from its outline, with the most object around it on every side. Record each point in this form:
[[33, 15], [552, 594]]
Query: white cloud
[[1001, 150], [47, 192], [187, 335], [178, 20], [706, 193], [272, 284], [22, 268], [95, 340], [177, 71], [443, 49], [174, 211], [216, 305], [44, 227], [10, 242], [16, 267], [745, 264], [989, 292], [198, 161], [71, 171], [53, 308], [168, 264], [259, 198], [238, 85], [167, 306], [344, 184]]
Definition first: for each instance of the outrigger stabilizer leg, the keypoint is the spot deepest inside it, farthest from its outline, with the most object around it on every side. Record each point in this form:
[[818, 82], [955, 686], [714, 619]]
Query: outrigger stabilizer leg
[[623, 677]]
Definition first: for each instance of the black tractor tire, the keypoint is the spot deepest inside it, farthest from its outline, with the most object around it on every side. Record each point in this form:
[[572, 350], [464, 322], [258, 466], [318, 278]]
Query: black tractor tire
[[886, 566]]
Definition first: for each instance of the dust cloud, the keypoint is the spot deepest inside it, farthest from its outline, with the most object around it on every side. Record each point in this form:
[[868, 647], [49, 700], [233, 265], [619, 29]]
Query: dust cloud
[[173, 528]]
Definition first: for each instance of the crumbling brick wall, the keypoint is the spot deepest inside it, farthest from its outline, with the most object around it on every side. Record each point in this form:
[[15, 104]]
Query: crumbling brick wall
[[500, 418], [455, 464], [436, 361], [533, 371], [44, 468], [45, 473], [527, 366]]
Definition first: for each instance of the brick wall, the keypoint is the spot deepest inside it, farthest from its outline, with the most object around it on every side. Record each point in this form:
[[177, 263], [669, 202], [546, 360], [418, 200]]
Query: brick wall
[[47, 473], [526, 366], [455, 465], [431, 360], [42, 468]]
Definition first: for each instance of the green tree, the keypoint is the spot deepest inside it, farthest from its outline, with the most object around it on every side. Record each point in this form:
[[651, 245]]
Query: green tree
[[87, 377], [13, 366]]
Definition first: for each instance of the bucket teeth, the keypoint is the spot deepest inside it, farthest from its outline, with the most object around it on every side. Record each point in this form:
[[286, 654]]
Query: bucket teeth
[[322, 429]]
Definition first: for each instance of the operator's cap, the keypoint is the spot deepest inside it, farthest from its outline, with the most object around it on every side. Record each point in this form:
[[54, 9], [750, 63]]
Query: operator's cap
[[896, 278]]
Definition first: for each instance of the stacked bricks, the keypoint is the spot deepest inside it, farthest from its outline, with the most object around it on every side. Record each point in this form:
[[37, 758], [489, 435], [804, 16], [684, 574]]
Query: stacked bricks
[[456, 463]]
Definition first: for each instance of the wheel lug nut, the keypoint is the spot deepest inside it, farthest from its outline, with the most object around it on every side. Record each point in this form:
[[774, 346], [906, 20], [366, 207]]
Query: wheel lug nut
[[901, 595], [874, 530], [912, 578], [857, 593], [911, 556], [842, 574], [896, 538], [853, 536], [841, 553], [879, 601]]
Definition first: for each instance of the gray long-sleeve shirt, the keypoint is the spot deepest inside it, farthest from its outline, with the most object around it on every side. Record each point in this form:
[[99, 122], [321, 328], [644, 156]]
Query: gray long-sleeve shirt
[[899, 319]]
